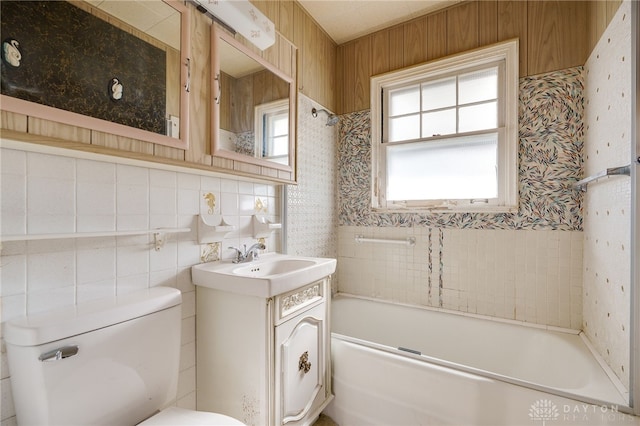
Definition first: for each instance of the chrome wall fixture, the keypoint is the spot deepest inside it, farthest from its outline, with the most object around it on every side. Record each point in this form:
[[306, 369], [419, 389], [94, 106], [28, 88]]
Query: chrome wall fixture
[[332, 119], [410, 241], [613, 171]]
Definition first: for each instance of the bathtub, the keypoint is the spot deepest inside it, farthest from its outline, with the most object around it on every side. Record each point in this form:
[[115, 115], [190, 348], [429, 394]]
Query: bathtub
[[403, 365]]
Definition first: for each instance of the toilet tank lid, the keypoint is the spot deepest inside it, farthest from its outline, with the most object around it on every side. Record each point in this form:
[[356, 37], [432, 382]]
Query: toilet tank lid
[[41, 328]]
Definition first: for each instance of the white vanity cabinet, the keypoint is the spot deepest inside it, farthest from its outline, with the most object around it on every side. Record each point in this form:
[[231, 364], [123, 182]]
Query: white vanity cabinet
[[264, 361]]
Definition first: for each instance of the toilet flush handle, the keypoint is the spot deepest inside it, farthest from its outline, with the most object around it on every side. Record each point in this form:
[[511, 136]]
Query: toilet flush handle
[[58, 354]]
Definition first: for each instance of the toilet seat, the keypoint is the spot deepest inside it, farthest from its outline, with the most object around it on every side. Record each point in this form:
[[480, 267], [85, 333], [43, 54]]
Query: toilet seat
[[174, 416]]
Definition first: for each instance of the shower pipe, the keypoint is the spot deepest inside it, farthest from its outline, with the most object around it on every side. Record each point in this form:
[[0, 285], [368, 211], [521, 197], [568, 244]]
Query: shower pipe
[[332, 119]]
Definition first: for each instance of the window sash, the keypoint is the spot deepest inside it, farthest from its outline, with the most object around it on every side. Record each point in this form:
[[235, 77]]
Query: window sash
[[475, 157], [507, 199], [412, 122]]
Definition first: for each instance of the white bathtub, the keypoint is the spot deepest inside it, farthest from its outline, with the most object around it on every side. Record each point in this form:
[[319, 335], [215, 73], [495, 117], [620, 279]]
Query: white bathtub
[[462, 370]]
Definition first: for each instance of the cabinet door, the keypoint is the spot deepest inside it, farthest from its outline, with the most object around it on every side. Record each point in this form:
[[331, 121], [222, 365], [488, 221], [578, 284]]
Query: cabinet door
[[300, 364]]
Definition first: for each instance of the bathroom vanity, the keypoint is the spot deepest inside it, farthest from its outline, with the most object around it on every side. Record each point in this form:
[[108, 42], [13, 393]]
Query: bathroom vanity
[[264, 358]]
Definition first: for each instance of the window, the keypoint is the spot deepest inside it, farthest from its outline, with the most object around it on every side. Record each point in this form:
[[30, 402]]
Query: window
[[445, 133], [272, 131]]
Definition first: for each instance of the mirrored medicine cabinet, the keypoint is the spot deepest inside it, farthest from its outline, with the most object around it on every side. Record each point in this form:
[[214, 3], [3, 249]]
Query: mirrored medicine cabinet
[[253, 106], [114, 66]]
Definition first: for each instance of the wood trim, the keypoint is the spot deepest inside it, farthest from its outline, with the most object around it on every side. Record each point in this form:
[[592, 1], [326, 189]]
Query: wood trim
[[199, 132], [218, 35], [43, 127], [11, 138], [508, 134], [68, 118], [119, 142], [13, 121]]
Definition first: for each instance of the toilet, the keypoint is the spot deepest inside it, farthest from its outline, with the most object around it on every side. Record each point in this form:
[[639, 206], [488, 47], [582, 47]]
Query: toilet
[[109, 362]]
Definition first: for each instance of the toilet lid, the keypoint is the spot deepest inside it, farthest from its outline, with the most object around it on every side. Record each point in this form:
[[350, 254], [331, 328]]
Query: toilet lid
[[174, 416]]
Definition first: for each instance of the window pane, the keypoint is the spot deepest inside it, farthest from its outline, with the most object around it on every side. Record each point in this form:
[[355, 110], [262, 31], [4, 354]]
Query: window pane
[[404, 101], [478, 86], [457, 168], [404, 128], [276, 135], [478, 117], [439, 94], [280, 146], [439, 123], [281, 124]]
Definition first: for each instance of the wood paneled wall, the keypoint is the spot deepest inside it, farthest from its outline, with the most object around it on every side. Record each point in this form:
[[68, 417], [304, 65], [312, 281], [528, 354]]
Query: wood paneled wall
[[553, 35], [238, 101], [600, 14], [316, 50]]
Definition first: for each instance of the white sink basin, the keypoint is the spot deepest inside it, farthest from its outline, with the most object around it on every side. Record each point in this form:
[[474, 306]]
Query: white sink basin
[[270, 275]]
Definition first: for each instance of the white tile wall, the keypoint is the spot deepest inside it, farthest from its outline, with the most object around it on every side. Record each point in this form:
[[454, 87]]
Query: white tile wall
[[531, 276], [43, 193], [50, 194], [607, 206], [312, 213], [13, 211]]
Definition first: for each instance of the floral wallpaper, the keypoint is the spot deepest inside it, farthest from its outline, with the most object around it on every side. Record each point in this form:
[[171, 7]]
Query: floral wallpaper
[[550, 161]]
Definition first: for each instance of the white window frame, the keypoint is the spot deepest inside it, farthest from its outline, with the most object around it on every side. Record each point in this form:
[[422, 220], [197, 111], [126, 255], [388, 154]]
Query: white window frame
[[260, 111], [507, 200]]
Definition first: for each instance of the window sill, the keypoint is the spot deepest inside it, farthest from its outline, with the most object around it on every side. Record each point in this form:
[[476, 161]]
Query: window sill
[[448, 210]]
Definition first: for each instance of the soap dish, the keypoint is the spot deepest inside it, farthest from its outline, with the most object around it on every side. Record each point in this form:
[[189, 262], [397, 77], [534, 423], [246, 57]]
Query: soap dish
[[262, 227], [212, 229]]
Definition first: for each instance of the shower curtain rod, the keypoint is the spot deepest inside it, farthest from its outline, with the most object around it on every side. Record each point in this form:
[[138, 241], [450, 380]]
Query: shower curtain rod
[[613, 171]]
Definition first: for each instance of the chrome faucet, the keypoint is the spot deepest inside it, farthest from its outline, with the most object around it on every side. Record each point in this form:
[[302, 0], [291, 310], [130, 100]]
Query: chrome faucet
[[249, 254]]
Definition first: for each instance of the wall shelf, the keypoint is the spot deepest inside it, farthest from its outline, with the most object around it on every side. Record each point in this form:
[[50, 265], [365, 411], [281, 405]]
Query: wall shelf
[[262, 227], [158, 235], [213, 229]]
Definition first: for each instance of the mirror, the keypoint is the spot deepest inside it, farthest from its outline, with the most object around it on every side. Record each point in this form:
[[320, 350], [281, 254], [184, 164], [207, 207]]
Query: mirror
[[116, 66], [253, 112]]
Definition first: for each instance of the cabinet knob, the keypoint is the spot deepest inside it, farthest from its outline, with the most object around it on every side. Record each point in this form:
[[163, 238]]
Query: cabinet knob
[[303, 363]]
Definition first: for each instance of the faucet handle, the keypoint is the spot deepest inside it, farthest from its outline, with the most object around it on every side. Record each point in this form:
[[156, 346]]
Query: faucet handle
[[252, 253], [239, 255]]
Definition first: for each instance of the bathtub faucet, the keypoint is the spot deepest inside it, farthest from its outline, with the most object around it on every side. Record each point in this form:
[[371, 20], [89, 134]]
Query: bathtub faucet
[[249, 254]]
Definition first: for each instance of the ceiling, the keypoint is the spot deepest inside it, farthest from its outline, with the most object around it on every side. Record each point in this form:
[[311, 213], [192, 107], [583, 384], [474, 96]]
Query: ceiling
[[345, 20], [156, 19]]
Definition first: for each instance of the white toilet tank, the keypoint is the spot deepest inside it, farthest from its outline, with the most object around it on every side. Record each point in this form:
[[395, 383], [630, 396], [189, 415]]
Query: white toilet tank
[[106, 362]]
